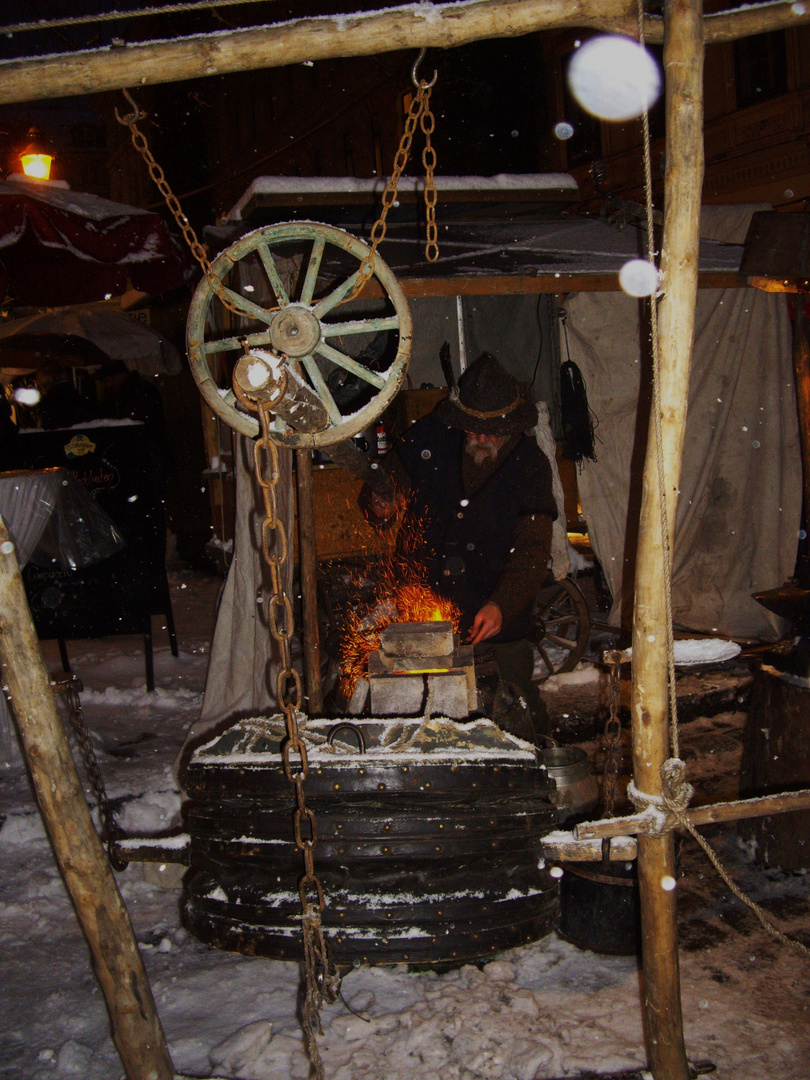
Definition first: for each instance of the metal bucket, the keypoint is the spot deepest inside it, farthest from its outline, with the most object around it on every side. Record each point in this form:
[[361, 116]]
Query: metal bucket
[[599, 907], [577, 793]]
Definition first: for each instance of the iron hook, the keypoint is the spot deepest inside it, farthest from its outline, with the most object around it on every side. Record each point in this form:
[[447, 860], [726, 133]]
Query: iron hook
[[133, 117], [414, 78]]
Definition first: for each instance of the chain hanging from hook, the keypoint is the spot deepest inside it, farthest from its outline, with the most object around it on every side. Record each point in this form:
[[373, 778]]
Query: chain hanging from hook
[[418, 113], [130, 120]]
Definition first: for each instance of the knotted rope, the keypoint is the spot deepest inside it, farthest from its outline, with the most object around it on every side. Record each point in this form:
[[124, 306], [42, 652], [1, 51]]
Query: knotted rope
[[659, 814]]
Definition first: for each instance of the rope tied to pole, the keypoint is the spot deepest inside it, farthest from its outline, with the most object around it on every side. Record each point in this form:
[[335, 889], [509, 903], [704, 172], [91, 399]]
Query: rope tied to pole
[[660, 814]]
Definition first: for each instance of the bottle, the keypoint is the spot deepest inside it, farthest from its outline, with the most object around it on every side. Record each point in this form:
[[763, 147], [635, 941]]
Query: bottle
[[383, 445]]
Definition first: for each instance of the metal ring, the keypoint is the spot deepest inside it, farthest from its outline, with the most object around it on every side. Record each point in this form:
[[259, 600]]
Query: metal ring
[[350, 727]]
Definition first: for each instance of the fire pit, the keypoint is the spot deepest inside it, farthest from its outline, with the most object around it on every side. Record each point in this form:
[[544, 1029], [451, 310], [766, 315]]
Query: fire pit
[[419, 659], [428, 840]]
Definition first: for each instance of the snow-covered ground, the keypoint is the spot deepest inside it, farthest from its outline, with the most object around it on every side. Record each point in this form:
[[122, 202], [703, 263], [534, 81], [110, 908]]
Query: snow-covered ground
[[541, 1011]]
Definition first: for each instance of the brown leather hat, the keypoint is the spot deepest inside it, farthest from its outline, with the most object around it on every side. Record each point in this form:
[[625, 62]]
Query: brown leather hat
[[488, 401]]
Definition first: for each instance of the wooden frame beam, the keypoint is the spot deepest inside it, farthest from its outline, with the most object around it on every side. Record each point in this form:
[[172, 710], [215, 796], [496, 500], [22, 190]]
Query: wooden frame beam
[[407, 26]]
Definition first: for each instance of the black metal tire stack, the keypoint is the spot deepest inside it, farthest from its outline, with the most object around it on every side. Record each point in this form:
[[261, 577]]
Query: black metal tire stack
[[421, 861]]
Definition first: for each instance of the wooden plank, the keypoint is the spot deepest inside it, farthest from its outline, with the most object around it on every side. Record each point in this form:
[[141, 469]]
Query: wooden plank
[[570, 848], [506, 285], [762, 806]]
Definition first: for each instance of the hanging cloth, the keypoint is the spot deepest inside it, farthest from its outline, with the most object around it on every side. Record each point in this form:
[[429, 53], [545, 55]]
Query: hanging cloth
[[578, 422]]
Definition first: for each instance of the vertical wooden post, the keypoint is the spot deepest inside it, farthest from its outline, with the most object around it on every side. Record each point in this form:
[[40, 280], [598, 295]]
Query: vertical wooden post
[[308, 565], [801, 371], [683, 63], [118, 965]]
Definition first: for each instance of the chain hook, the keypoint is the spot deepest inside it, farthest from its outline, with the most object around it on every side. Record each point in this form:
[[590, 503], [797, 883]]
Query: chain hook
[[133, 117], [414, 72]]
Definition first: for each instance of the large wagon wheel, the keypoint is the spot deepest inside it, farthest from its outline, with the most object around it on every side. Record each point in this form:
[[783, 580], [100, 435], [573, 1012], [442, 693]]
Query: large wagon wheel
[[561, 627], [288, 281]]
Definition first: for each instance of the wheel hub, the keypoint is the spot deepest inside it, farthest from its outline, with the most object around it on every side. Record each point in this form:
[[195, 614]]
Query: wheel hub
[[295, 331]]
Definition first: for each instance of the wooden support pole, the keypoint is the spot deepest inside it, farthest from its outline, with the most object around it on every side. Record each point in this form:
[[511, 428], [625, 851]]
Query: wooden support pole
[[365, 33], [683, 66], [761, 806], [118, 965], [801, 371], [308, 567]]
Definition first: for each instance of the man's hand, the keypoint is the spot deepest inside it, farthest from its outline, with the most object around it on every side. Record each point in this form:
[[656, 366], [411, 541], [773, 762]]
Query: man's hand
[[486, 624], [382, 508]]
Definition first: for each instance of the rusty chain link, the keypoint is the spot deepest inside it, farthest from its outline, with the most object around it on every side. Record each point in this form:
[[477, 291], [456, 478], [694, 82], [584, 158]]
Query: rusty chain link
[[162, 184], [322, 981], [110, 831], [418, 113], [613, 732]]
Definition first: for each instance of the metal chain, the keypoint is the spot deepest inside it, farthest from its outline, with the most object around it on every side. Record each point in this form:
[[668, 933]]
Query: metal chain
[[159, 177], [322, 980], [111, 832], [418, 113], [613, 733]]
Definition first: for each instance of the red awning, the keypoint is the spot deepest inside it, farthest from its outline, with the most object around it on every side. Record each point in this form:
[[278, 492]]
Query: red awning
[[62, 247]]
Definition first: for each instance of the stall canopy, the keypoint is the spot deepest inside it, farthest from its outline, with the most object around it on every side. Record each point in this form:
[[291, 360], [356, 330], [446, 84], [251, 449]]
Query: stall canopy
[[60, 247], [25, 344]]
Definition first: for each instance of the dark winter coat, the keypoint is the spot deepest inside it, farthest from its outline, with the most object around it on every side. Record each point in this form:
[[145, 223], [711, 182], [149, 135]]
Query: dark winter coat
[[467, 539]]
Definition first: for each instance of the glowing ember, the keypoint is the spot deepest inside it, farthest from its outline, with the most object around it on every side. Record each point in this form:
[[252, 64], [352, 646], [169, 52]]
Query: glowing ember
[[395, 601]]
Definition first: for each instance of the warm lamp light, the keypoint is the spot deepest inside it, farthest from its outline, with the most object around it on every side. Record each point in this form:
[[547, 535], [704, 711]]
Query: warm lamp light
[[35, 159]]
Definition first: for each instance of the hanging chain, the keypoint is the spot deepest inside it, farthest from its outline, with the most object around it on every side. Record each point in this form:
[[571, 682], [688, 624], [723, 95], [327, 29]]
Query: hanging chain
[[322, 981], [418, 113], [162, 184], [111, 832], [613, 733]]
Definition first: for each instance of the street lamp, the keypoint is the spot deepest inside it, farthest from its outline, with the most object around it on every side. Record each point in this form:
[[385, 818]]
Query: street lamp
[[35, 158]]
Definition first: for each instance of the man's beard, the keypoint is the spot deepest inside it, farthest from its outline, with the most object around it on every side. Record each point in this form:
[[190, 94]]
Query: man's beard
[[481, 452]]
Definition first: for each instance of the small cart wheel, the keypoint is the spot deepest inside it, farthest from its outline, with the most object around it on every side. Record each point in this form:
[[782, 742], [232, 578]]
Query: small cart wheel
[[287, 282], [561, 627]]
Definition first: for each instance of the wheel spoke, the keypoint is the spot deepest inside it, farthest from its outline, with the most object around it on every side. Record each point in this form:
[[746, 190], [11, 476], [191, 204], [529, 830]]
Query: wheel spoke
[[561, 642], [276, 284], [562, 620], [545, 659], [319, 383], [335, 296], [360, 326], [312, 270], [344, 361], [225, 344], [248, 308]]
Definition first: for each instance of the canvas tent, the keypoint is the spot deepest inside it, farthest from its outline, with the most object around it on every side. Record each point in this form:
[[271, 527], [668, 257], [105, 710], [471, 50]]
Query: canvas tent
[[739, 517]]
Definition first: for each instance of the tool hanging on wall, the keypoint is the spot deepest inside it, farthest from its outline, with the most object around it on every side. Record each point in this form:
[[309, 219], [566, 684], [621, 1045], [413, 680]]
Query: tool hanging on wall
[[578, 422]]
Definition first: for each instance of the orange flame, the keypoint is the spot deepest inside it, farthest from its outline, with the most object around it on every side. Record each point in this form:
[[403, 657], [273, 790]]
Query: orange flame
[[395, 601]]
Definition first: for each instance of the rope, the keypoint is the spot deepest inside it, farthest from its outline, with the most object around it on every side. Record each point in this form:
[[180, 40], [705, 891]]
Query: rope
[[661, 814]]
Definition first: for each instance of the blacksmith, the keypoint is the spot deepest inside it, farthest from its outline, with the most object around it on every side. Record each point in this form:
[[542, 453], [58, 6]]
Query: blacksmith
[[478, 511]]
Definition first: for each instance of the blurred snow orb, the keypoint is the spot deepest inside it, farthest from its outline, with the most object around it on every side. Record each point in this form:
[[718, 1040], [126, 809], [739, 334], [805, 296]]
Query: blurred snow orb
[[563, 130], [638, 277], [27, 395], [556, 871], [614, 78], [668, 883]]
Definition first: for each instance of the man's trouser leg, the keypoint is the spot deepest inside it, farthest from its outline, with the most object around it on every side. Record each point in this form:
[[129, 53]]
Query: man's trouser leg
[[516, 665]]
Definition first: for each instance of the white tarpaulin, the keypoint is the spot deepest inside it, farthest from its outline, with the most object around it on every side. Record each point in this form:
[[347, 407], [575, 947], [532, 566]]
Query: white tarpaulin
[[244, 655], [740, 496]]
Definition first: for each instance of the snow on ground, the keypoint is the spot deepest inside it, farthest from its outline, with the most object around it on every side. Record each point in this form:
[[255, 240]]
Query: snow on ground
[[545, 1010]]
